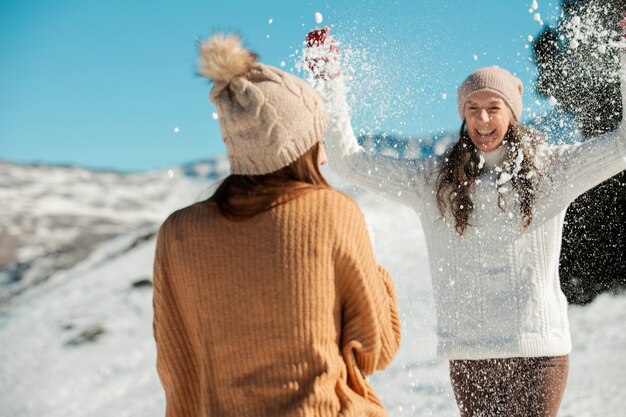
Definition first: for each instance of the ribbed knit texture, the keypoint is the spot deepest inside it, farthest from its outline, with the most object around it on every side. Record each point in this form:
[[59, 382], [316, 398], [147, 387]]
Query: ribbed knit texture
[[496, 80], [497, 290], [279, 315]]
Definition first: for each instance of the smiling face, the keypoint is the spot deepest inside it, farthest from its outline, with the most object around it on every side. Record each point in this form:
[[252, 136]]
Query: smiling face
[[488, 119]]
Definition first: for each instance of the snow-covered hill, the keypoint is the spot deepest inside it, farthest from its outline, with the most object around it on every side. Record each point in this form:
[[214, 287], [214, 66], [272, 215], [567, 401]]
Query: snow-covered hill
[[53, 216], [80, 343]]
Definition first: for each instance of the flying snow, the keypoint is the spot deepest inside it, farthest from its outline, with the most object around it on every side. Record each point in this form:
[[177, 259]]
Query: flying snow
[[519, 159], [502, 179], [481, 161], [318, 18]]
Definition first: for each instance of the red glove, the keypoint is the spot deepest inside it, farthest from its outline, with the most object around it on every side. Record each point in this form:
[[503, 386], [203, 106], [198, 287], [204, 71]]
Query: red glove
[[322, 54], [316, 37]]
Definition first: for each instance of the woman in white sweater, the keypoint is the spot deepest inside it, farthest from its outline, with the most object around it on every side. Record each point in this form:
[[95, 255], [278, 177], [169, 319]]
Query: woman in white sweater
[[492, 210]]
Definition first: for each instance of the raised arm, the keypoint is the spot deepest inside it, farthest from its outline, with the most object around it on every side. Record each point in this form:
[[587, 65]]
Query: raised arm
[[576, 168], [398, 179]]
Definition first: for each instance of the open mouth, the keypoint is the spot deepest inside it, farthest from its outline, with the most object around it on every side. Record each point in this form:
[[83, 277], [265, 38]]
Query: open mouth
[[485, 132]]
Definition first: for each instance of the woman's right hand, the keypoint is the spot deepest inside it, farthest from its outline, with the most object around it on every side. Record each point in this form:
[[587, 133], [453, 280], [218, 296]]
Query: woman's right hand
[[321, 54]]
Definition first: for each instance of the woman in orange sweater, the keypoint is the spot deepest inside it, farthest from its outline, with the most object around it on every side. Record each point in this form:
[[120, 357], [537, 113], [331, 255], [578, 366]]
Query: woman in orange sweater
[[267, 298]]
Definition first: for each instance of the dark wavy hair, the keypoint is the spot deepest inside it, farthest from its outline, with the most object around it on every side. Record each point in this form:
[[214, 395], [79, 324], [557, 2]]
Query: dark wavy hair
[[241, 197], [460, 170]]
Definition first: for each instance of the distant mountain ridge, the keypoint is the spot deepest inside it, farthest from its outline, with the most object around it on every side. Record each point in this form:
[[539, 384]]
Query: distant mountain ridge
[[53, 216]]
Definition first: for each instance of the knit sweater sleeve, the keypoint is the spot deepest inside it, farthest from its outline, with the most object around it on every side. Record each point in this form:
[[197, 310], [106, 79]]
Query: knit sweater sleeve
[[370, 323], [573, 169], [395, 178], [175, 360]]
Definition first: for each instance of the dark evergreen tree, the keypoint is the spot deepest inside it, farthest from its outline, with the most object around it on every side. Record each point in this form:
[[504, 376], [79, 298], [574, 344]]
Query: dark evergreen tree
[[578, 64]]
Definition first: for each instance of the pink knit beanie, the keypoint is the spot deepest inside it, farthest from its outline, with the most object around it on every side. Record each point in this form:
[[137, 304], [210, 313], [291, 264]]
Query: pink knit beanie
[[496, 80], [268, 118]]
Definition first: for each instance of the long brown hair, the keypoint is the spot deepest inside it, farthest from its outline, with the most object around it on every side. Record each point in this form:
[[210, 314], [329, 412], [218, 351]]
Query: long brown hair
[[240, 197], [461, 168]]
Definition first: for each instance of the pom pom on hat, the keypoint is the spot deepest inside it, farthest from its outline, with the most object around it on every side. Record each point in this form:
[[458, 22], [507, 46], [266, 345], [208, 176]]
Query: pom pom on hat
[[222, 58], [268, 118]]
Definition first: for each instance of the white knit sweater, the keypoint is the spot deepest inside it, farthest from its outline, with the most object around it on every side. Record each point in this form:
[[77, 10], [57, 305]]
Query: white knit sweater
[[496, 288]]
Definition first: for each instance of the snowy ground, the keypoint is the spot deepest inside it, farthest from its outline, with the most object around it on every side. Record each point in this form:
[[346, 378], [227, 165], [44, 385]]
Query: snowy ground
[[42, 375]]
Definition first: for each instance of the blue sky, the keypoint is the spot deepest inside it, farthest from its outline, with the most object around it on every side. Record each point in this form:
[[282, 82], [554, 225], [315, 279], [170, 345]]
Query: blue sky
[[105, 84]]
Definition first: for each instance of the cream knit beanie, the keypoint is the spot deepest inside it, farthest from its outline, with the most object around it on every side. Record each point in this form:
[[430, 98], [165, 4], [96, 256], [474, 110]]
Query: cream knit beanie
[[268, 118], [496, 80]]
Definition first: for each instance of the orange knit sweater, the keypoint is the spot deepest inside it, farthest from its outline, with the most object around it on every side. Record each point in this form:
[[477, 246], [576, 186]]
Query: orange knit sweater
[[279, 315]]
